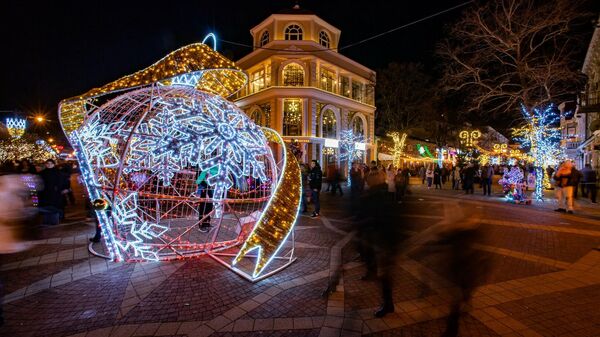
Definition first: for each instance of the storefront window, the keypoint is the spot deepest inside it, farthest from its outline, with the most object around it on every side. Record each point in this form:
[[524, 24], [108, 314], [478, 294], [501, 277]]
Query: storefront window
[[292, 117]]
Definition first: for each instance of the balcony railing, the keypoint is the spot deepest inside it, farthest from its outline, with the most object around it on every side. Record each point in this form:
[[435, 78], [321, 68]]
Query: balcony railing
[[590, 100], [573, 145]]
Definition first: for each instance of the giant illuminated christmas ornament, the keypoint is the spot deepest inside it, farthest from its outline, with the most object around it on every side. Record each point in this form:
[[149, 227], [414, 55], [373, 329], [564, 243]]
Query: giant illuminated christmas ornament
[[541, 135], [177, 171]]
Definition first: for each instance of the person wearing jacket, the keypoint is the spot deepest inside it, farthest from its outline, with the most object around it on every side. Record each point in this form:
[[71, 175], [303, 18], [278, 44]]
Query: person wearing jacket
[[315, 182], [564, 182], [589, 182]]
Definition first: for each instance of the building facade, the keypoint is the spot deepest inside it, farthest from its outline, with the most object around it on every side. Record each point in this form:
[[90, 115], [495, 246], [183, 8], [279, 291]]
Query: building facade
[[584, 132], [303, 88]]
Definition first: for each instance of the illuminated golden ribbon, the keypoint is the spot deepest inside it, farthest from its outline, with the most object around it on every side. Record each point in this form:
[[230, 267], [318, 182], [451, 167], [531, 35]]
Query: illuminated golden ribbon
[[277, 220], [216, 74]]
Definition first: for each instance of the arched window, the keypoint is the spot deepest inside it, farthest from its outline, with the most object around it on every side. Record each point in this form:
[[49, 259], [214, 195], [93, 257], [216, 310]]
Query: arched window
[[293, 32], [358, 126], [329, 125], [292, 117], [256, 117], [293, 75], [324, 39], [264, 38]]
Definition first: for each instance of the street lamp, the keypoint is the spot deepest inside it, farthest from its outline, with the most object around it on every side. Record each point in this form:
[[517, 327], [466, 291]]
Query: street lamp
[[39, 119], [50, 140]]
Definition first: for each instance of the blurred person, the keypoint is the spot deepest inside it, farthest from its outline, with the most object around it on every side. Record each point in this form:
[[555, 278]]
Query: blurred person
[[564, 187], [469, 178], [401, 181], [25, 167], [390, 175], [487, 173], [588, 185], [429, 175], [205, 206], [356, 179], [422, 174], [455, 178], [379, 238], [304, 202], [437, 177], [453, 242], [577, 177], [67, 171], [51, 201], [17, 214], [336, 178], [315, 181]]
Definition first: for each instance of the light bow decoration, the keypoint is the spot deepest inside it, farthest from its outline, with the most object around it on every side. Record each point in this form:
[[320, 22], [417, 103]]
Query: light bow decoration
[[541, 135], [469, 138], [16, 127], [167, 153]]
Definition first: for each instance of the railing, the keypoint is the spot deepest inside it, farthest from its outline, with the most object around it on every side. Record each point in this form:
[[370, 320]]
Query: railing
[[590, 98], [573, 145]]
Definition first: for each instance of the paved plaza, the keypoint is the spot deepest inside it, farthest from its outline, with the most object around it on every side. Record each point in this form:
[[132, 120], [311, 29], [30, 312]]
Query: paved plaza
[[545, 282]]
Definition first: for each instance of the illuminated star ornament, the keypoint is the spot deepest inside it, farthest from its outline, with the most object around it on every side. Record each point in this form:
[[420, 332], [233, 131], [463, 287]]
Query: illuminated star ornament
[[180, 171]]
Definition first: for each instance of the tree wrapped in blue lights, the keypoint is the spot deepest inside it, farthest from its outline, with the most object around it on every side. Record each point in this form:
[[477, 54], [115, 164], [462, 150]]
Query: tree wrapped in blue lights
[[542, 136], [348, 148]]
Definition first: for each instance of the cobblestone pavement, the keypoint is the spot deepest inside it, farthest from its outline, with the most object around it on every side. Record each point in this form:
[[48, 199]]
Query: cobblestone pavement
[[545, 282]]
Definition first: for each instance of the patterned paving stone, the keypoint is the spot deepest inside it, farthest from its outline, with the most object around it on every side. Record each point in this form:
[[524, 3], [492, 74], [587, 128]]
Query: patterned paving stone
[[278, 333], [19, 278], [367, 294], [503, 268], [559, 246], [83, 305], [301, 301], [198, 291], [563, 313], [469, 327]]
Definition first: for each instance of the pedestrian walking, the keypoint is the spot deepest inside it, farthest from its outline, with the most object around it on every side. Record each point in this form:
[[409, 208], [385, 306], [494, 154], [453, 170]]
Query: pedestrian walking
[[455, 178], [469, 178], [51, 201], [422, 174], [390, 180], [429, 175], [315, 181], [437, 177], [563, 179], [487, 173], [589, 180]]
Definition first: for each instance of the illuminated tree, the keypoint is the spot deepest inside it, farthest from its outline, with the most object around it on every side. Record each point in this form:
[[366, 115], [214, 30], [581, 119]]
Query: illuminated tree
[[507, 52], [348, 148], [542, 136]]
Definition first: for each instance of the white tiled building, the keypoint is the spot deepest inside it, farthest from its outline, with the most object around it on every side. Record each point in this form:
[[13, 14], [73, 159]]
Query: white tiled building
[[302, 87]]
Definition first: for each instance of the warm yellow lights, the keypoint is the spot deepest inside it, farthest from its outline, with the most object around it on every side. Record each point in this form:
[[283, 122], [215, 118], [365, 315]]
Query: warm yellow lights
[[278, 218], [399, 141], [469, 138], [214, 74]]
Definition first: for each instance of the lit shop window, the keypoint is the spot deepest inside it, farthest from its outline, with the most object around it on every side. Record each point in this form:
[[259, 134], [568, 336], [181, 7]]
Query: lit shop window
[[293, 75], [292, 117]]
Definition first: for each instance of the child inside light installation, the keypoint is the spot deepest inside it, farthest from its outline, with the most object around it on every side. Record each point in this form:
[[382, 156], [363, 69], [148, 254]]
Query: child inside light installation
[[175, 170]]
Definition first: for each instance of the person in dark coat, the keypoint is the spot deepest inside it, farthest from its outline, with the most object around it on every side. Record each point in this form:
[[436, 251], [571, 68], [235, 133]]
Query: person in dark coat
[[315, 181], [205, 206], [588, 185], [51, 199], [469, 178], [437, 177]]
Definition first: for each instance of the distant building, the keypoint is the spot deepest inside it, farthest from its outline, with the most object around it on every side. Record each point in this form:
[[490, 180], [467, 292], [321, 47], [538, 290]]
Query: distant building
[[303, 88], [585, 129]]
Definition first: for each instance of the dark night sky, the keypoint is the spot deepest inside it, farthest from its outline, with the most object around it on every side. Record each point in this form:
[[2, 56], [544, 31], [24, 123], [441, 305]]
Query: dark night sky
[[57, 49]]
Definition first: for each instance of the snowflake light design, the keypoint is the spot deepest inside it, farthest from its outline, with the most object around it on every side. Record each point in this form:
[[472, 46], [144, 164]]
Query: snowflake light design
[[229, 142], [100, 140]]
